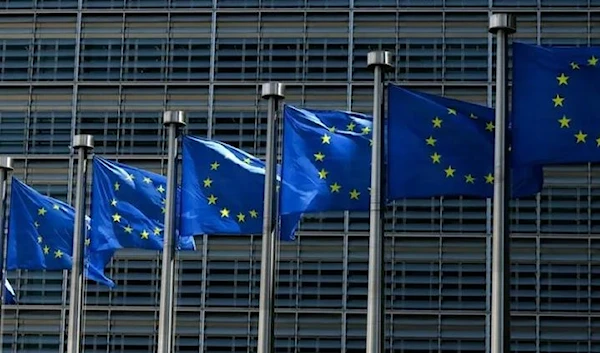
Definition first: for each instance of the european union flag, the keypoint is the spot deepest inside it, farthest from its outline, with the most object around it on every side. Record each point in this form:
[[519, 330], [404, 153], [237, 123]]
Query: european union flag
[[326, 161], [444, 147], [128, 208], [555, 92], [223, 191], [40, 234], [9, 294]]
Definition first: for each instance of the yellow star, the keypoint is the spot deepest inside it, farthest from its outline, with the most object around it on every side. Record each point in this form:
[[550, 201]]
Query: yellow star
[[332, 129], [247, 160], [469, 179], [214, 166], [319, 157], [323, 174], [144, 234], [46, 250], [58, 254], [253, 214], [88, 241], [371, 142], [437, 122], [564, 121], [592, 61], [117, 186], [326, 139], [207, 182], [451, 111], [40, 239], [116, 217], [473, 116], [224, 213], [128, 229], [160, 189], [147, 180], [366, 130], [113, 202], [562, 79], [212, 200], [558, 101], [163, 210], [354, 194], [36, 224], [130, 177], [449, 171], [56, 207], [430, 141], [489, 179], [241, 217], [42, 211], [157, 231], [335, 187], [351, 126], [574, 66], [598, 142], [580, 136], [436, 158], [489, 126]]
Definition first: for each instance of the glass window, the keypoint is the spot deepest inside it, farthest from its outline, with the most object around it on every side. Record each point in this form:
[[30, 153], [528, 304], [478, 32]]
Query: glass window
[[100, 59], [53, 59]]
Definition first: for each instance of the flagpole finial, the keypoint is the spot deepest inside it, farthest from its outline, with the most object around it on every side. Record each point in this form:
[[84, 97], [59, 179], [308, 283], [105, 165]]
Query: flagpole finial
[[83, 141], [502, 22], [273, 89], [176, 117], [6, 163], [382, 58]]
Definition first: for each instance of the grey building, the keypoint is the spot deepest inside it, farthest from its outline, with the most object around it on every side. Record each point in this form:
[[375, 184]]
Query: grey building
[[110, 67]]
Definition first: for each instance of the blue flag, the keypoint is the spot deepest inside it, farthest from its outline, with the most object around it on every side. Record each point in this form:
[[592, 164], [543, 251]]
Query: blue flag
[[555, 92], [326, 161], [444, 147], [128, 208], [222, 191], [9, 294], [40, 234]]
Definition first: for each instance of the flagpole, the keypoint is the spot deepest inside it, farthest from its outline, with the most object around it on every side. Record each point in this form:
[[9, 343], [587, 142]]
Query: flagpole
[[83, 144], [379, 61], [502, 25], [273, 92], [5, 168], [173, 120]]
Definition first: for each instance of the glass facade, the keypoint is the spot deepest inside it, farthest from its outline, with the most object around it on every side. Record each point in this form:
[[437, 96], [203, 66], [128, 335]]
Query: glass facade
[[110, 67]]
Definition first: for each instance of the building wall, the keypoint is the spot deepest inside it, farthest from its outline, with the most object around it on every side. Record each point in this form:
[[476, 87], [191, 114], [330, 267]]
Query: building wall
[[110, 67]]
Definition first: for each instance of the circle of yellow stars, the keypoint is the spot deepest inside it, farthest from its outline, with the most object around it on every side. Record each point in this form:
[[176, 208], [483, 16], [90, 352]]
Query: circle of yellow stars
[[144, 234], [319, 157], [46, 249], [437, 158], [559, 101], [225, 212]]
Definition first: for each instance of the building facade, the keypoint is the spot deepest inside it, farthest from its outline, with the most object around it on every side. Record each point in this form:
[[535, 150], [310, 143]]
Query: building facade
[[110, 67]]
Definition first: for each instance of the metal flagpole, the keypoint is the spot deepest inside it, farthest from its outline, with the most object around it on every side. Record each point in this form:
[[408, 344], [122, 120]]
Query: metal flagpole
[[379, 61], [173, 120], [5, 169], [273, 92], [83, 144], [502, 25]]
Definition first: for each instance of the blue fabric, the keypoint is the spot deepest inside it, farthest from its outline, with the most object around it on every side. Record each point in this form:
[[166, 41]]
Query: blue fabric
[[554, 94], [40, 234], [445, 147]]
